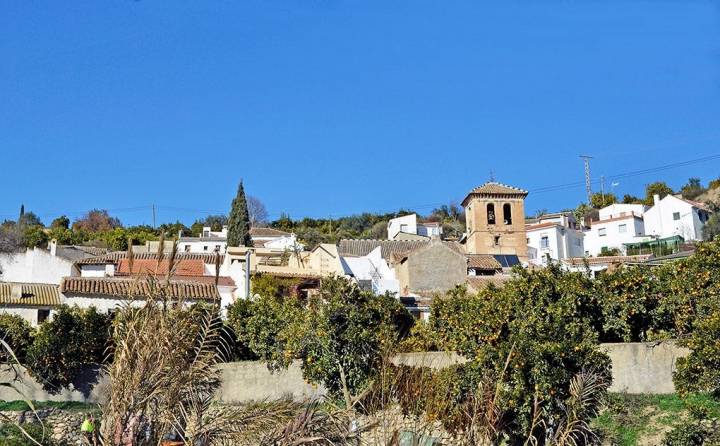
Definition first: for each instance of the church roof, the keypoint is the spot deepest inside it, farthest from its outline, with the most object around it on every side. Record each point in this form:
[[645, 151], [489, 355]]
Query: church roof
[[492, 188]]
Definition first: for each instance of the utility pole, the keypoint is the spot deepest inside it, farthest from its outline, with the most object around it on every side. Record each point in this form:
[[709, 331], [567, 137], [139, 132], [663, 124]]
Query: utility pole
[[602, 188], [153, 211], [586, 160]]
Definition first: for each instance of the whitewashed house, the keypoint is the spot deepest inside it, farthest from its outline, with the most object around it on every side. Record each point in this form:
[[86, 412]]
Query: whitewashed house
[[40, 265], [554, 237], [613, 231], [675, 216], [407, 227], [34, 302], [372, 272]]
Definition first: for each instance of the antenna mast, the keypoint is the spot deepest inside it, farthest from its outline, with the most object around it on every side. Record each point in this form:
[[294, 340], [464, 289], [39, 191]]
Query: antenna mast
[[586, 160]]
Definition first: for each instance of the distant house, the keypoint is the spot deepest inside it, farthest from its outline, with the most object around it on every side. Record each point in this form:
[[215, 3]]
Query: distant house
[[554, 237], [39, 265], [275, 239], [372, 272], [407, 227], [34, 302], [613, 232], [597, 265], [676, 216]]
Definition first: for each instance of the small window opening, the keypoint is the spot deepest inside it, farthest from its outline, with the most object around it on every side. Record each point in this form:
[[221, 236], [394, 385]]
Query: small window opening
[[491, 214]]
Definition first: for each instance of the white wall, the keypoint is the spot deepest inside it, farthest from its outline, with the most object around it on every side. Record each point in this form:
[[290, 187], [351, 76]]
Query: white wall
[[660, 219], [374, 268], [35, 265], [562, 242], [205, 245], [429, 230], [613, 236], [621, 210], [30, 314], [407, 223]]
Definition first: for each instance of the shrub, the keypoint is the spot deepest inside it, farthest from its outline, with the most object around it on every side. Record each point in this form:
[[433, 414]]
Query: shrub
[[64, 347], [534, 336], [343, 335], [11, 435], [18, 333]]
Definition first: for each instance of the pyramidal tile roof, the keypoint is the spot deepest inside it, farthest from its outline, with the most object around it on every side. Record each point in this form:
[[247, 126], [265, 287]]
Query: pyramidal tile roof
[[495, 188]]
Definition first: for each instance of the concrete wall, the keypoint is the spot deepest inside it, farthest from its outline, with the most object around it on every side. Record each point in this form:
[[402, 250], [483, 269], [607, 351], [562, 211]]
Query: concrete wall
[[636, 368], [644, 367], [434, 267]]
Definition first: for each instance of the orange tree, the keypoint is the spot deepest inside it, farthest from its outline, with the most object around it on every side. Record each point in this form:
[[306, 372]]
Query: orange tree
[[531, 337]]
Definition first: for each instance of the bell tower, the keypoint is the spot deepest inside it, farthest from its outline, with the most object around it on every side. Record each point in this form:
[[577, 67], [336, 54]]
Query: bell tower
[[495, 220]]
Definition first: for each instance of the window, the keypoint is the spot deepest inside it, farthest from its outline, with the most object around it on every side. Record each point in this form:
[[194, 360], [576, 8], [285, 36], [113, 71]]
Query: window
[[497, 240], [206, 233], [676, 215], [217, 248], [602, 232], [187, 248], [491, 214], [403, 228], [205, 248], [507, 214], [578, 242], [544, 241], [622, 229], [42, 316]]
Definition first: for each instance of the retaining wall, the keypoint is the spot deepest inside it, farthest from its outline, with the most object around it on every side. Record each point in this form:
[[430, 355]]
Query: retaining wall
[[636, 368]]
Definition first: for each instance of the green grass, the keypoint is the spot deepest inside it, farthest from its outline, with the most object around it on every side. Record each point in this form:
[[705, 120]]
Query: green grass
[[628, 418], [64, 405]]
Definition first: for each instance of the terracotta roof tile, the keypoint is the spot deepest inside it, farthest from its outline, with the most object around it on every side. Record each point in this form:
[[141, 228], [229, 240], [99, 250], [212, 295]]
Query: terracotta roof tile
[[29, 294], [359, 248], [477, 283], [482, 261], [128, 288], [601, 260], [182, 267], [267, 232], [493, 188], [116, 256]]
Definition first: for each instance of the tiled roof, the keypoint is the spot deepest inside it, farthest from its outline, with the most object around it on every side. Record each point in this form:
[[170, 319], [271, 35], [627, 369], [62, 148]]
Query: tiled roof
[[482, 261], [29, 294], [493, 188], [116, 256], [359, 248], [479, 282], [138, 288], [697, 204], [618, 218], [267, 232], [537, 226], [182, 267], [602, 260]]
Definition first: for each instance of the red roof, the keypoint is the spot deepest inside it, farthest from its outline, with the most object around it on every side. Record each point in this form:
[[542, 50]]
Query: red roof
[[153, 267]]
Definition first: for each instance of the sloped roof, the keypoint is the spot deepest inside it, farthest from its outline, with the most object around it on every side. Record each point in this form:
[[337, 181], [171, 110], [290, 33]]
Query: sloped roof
[[31, 294], [75, 252], [182, 267], [359, 248], [602, 260], [482, 261], [477, 283], [492, 188], [267, 232], [128, 288], [116, 256]]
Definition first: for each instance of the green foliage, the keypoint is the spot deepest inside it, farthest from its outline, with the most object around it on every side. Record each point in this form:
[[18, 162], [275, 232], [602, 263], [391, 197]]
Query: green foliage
[[18, 333], [29, 219], [344, 333], [11, 435], [34, 236], [692, 189], [714, 184], [173, 229], [239, 221], [631, 199], [543, 324], [64, 347], [712, 227], [657, 188], [599, 200], [605, 251], [62, 222]]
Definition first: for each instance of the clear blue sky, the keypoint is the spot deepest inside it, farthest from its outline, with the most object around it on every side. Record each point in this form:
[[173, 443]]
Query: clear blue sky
[[332, 107]]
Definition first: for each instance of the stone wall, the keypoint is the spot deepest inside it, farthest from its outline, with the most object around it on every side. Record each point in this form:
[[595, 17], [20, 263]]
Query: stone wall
[[644, 367], [61, 425]]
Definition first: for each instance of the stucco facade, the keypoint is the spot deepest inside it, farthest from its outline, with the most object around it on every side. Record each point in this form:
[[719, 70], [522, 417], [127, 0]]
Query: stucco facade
[[435, 267]]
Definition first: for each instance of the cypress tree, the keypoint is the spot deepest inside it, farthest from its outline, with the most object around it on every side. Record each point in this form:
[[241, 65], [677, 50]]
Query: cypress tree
[[239, 221]]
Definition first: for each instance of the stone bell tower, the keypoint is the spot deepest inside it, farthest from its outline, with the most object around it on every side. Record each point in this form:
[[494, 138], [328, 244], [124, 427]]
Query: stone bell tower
[[495, 220]]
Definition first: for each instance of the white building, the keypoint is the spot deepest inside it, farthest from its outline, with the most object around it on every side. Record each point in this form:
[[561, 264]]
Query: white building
[[622, 210], [553, 237], [674, 216], [34, 302], [408, 228], [39, 265], [613, 232], [372, 272]]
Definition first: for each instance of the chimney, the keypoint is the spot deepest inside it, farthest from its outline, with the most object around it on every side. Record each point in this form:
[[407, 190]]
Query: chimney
[[53, 247], [656, 199], [179, 234], [16, 291]]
